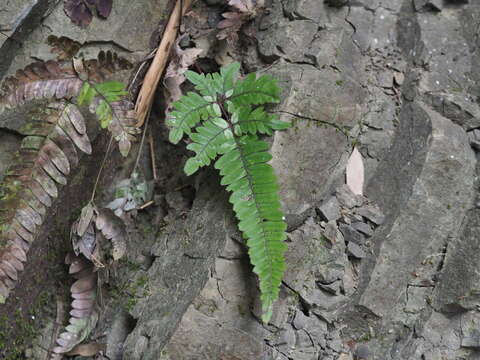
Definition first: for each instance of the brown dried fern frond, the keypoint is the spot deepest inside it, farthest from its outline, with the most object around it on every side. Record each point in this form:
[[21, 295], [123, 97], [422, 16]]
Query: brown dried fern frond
[[45, 159], [57, 80], [53, 136], [84, 314]]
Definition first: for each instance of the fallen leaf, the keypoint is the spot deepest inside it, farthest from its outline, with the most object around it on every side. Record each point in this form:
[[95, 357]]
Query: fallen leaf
[[181, 60], [234, 20], [114, 229], [78, 12], [85, 219], [355, 172], [81, 11]]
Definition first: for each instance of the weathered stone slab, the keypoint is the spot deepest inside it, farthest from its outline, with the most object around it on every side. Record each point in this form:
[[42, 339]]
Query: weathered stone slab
[[438, 194]]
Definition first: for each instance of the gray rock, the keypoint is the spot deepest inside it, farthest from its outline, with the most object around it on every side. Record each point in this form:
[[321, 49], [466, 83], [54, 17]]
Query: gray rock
[[365, 229], [417, 298], [347, 198], [470, 330], [185, 274], [457, 290], [330, 210], [457, 107], [333, 288], [329, 273], [351, 235], [372, 213], [428, 5], [297, 157], [337, 3], [418, 187], [122, 325], [302, 31], [331, 232], [362, 352], [474, 137], [355, 250], [299, 320]]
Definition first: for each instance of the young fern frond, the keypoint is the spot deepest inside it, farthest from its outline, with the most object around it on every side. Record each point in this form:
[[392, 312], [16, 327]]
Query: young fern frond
[[114, 112], [223, 121], [189, 111]]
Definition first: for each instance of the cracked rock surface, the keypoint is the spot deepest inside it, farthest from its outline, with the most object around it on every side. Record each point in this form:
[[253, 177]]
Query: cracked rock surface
[[391, 275], [402, 285]]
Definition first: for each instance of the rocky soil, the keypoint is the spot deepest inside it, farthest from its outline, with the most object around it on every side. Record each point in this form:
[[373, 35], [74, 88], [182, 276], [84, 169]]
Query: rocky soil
[[390, 275]]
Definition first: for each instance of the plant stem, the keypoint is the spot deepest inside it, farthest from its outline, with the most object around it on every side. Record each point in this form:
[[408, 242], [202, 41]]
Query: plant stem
[[342, 129], [101, 167]]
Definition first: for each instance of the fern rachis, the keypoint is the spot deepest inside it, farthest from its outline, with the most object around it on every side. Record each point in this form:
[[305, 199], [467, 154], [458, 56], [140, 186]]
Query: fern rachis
[[222, 121]]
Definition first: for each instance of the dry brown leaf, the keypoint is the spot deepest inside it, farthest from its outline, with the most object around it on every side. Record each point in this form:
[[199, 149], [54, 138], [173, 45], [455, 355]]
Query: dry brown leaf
[[234, 20], [355, 172], [86, 244], [109, 225], [85, 219], [114, 229], [180, 61]]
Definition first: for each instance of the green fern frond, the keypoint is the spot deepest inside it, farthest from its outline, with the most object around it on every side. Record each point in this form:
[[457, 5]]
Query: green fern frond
[[222, 120], [108, 92], [248, 121], [256, 203], [207, 142], [189, 111], [255, 91]]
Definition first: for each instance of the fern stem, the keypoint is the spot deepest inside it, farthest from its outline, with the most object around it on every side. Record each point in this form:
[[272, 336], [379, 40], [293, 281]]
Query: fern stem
[[342, 129], [250, 183], [142, 141]]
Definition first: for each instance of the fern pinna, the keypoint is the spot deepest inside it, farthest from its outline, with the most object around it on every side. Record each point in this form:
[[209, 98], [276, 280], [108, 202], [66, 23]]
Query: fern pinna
[[223, 120], [54, 133]]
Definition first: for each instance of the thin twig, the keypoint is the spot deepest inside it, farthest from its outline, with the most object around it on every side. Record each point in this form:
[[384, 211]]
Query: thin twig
[[343, 130], [154, 73], [147, 204], [101, 167], [152, 156], [142, 142], [143, 63]]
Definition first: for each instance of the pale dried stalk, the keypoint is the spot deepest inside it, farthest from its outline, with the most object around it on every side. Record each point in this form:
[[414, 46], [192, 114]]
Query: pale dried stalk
[[152, 78]]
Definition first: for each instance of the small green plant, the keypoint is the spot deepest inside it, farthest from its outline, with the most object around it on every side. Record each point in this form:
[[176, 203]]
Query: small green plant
[[223, 120], [107, 93]]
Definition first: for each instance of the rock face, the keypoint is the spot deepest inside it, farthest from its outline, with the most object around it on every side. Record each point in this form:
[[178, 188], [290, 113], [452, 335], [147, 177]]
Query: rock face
[[391, 275], [401, 285]]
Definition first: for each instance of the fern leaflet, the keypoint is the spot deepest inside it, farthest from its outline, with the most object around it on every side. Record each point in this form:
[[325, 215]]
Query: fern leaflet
[[222, 121]]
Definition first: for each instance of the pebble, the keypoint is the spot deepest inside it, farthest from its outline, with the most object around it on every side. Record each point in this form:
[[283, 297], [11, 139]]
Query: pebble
[[330, 210], [351, 235], [362, 352], [347, 198], [372, 213], [356, 251], [300, 320], [365, 229]]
